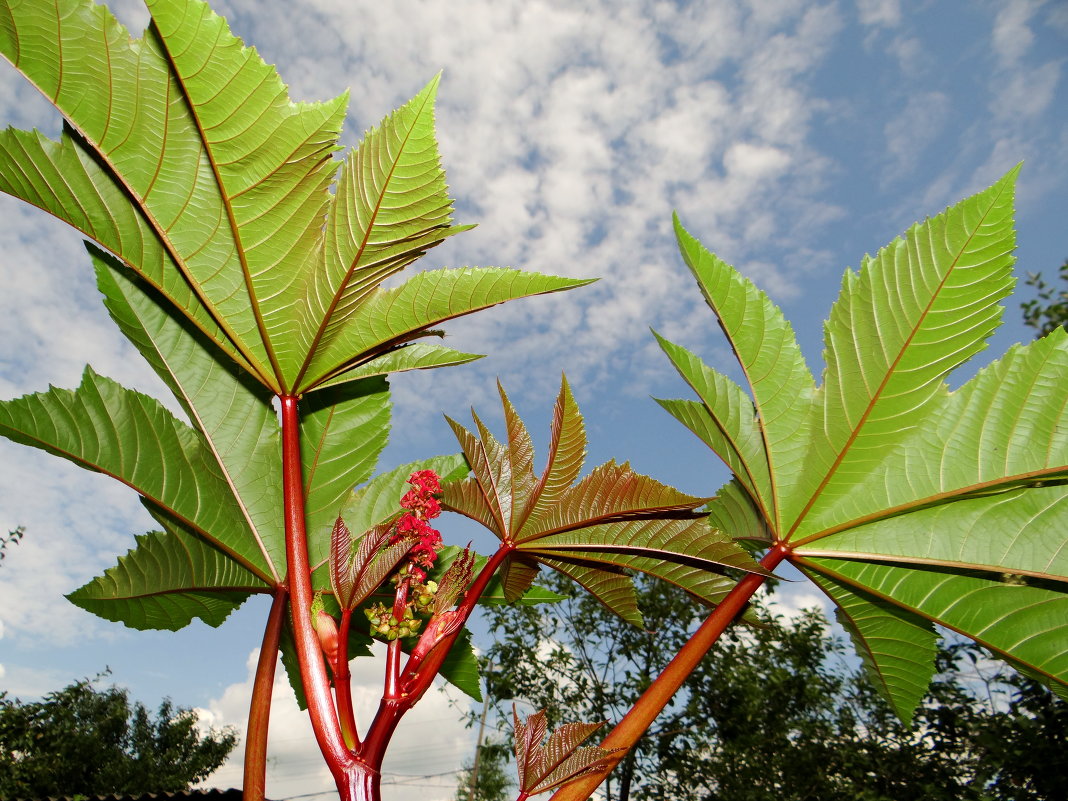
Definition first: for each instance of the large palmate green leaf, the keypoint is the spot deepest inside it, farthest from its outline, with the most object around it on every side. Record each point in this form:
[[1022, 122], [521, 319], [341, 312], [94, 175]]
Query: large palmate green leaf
[[64, 179], [270, 168], [184, 157], [167, 580], [246, 265], [232, 412], [388, 319], [131, 437], [343, 429], [594, 530], [909, 504], [764, 344]]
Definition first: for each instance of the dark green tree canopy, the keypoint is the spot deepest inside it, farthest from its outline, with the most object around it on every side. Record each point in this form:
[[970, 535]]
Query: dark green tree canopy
[[87, 741]]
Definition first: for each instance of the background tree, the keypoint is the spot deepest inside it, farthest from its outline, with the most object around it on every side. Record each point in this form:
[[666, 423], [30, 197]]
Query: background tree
[[1028, 745], [775, 711], [493, 781], [88, 741], [1050, 309]]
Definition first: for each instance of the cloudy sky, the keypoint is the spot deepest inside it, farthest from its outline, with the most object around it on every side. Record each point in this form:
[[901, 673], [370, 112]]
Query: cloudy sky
[[792, 137]]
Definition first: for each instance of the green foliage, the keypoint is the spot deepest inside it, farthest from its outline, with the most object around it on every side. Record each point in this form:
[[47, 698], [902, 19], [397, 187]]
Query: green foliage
[[907, 503], [1049, 310], [87, 741], [1026, 749]]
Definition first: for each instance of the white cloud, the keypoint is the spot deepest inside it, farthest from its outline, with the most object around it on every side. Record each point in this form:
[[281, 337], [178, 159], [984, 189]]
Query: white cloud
[[882, 13], [791, 601], [1025, 88], [1025, 93], [1057, 18], [1012, 35], [431, 739], [912, 59], [31, 683], [753, 163], [76, 523], [914, 129]]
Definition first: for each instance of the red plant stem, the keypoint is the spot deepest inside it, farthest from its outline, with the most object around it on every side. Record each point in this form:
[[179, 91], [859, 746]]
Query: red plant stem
[[633, 725], [259, 713], [343, 684], [312, 668], [418, 674], [393, 660], [393, 651], [360, 783]]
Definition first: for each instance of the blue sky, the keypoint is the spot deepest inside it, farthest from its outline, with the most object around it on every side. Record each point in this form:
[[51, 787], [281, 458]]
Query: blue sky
[[791, 137]]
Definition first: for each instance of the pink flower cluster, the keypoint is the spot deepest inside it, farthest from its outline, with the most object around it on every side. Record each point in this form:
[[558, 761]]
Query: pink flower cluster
[[421, 506]]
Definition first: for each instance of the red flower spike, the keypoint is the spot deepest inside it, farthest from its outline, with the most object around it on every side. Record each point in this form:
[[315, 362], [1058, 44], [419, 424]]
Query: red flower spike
[[413, 527], [426, 481], [430, 508], [424, 505], [412, 530]]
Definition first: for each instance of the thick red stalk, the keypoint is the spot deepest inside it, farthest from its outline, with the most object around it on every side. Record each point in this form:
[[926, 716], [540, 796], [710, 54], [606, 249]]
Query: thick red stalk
[[354, 780], [670, 680], [259, 714]]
